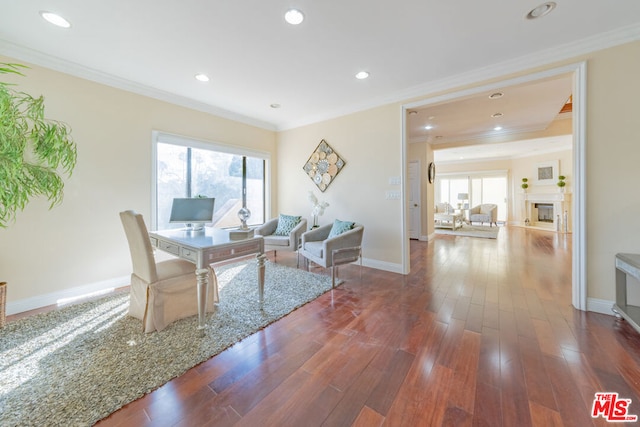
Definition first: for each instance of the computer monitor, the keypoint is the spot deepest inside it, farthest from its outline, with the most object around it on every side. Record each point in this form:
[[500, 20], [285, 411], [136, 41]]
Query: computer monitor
[[194, 212]]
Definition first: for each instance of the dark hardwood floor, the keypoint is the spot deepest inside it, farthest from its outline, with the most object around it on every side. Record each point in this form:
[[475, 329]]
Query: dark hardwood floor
[[481, 333]]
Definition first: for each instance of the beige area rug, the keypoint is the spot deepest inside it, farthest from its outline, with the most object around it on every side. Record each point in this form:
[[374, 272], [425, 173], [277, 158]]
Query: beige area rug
[[75, 366], [466, 230]]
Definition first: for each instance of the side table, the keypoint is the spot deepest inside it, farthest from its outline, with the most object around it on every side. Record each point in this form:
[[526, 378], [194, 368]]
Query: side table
[[626, 264]]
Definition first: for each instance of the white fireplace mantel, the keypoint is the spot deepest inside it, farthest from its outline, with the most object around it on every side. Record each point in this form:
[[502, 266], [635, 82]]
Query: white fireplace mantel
[[547, 197], [561, 209]]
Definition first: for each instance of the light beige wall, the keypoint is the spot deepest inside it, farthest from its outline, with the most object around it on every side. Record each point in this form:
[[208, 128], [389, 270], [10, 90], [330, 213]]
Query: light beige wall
[[526, 167], [517, 169], [370, 142], [613, 153], [81, 241]]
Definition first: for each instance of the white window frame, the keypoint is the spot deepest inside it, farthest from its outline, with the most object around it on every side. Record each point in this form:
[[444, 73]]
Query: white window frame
[[185, 141]]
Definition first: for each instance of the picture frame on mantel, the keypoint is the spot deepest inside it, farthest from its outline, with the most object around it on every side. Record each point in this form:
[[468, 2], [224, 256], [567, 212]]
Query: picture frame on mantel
[[546, 173]]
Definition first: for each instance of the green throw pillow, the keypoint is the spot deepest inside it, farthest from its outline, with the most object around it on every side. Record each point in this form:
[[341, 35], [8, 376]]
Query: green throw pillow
[[286, 223], [340, 227]]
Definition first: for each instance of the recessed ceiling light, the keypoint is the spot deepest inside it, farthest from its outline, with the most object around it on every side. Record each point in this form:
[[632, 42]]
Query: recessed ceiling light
[[542, 10], [294, 16], [496, 115], [431, 117], [497, 128], [202, 77], [428, 127], [362, 75], [274, 105], [413, 112], [496, 95], [55, 19]]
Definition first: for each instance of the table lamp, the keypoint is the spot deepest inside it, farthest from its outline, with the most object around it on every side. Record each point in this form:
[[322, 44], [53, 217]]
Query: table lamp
[[462, 197]]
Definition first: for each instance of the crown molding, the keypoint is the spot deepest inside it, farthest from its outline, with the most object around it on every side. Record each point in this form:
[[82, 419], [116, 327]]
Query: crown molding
[[559, 53], [47, 61], [526, 62]]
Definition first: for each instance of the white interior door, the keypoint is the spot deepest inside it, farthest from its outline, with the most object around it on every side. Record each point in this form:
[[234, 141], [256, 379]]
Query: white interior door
[[414, 200]]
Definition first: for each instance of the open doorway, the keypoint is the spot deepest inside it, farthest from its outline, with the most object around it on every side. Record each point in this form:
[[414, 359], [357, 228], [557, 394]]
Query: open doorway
[[578, 92]]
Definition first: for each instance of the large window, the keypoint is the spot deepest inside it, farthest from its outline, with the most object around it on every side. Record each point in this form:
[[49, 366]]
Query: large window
[[188, 168], [481, 188]]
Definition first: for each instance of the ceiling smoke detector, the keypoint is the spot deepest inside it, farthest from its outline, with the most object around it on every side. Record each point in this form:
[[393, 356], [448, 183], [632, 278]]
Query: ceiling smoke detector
[[542, 10]]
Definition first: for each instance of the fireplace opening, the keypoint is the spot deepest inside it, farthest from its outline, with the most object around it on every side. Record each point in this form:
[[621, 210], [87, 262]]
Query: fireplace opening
[[545, 212]]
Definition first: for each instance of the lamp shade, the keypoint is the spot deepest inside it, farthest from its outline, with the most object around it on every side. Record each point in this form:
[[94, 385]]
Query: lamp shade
[[463, 196]]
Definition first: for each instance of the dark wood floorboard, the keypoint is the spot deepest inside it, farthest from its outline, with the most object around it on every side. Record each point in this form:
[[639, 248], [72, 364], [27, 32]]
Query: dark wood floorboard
[[480, 333]]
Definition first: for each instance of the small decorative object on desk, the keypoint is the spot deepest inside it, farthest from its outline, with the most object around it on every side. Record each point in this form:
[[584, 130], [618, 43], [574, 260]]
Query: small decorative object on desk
[[525, 184], [239, 234], [318, 208]]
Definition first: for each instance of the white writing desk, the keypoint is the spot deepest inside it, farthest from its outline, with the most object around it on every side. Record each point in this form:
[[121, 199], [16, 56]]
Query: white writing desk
[[207, 247]]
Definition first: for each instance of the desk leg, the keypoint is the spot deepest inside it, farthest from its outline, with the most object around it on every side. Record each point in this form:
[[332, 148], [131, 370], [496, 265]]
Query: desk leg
[[260, 258], [202, 283]]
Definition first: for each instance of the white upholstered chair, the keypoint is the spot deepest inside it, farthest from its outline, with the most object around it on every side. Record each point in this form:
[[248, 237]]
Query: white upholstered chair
[[281, 242], [484, 213], [165, 291], [327, 251]]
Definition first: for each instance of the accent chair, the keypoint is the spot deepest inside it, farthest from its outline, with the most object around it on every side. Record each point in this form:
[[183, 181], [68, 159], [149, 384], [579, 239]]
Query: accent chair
[[328, 249], [484, 213], [161, 292], [282, 233]]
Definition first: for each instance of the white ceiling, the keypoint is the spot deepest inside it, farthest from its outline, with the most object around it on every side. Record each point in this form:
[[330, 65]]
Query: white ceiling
[[255, 59]]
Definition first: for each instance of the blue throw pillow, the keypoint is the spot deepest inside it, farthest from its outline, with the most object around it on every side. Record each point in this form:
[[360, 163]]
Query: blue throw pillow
[[286, 223], [340, 227]]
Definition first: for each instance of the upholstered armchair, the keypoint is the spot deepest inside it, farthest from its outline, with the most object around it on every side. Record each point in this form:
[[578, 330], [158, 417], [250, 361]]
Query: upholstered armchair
[[329, 248], [282, 233], [484, 213], [161, 292]]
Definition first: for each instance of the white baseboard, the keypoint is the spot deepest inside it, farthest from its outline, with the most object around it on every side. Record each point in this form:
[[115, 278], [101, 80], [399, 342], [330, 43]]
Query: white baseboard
[[600, 306], [382, 265], [55, 297]]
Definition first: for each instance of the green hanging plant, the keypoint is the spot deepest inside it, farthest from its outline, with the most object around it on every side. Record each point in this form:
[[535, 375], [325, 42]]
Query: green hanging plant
[[33, 150]]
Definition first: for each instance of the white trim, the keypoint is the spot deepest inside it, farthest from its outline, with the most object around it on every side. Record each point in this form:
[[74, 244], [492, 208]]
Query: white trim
[[77, 70], [531, 61], [600, 306], [579, 251], [579, 211], [382, 265], [404, 212], [53, 298], [495, 71], [185, 141]]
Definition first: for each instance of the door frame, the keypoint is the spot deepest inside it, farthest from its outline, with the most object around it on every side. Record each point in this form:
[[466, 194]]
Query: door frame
[[579, 247]]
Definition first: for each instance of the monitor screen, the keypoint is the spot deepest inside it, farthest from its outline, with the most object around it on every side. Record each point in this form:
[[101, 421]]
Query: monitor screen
[[192, 211]]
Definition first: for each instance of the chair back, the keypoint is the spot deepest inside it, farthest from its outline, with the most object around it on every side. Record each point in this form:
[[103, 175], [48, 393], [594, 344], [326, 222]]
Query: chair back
[[144, 264]]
